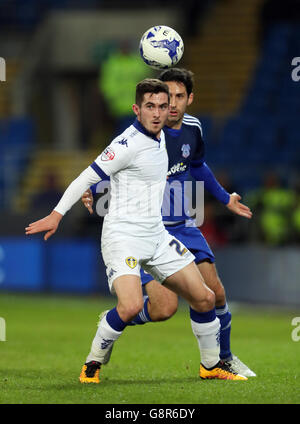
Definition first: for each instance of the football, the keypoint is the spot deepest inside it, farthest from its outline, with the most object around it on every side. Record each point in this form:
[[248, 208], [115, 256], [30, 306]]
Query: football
[[161, 47]]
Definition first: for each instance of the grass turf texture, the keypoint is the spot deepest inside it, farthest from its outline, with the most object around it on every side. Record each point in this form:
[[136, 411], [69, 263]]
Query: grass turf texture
[[48, 339]]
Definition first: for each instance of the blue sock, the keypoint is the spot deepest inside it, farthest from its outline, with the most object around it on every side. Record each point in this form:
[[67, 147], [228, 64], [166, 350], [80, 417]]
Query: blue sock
[[114, 320], [225, 320], [202, 317], [143, 316]]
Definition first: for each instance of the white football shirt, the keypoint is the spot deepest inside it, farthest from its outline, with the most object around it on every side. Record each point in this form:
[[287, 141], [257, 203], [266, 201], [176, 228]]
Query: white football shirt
[[137, 164]]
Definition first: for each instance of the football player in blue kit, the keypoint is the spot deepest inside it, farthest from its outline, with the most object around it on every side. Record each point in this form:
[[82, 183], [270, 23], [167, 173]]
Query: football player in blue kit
[[186, 152]]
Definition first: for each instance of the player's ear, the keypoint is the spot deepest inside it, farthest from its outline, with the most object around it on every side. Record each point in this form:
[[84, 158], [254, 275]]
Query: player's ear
[[191, 99], [136, 109]]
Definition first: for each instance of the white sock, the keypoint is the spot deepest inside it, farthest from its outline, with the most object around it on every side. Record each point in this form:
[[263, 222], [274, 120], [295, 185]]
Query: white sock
[[103, 339], [208, 337]]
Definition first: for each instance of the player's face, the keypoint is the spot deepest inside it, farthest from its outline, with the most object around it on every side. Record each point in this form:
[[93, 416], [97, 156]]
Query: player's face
[[153, 112], [179, 101]]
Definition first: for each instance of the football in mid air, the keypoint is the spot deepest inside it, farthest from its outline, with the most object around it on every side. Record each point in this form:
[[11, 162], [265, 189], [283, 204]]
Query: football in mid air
[[161, 47]]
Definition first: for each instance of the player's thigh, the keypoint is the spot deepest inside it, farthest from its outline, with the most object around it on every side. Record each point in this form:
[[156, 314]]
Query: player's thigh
[[170, 256], [122, 257], [209, 272], [194, 240], [161, 296], [189, 284], [129, 292]]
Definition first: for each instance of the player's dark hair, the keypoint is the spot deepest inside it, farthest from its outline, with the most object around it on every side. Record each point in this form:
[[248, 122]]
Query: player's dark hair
[[150, 85], [179, 75]]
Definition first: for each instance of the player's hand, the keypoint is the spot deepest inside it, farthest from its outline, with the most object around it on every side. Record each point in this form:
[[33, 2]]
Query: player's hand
[[87, 200], [49, 224], [235, 206]]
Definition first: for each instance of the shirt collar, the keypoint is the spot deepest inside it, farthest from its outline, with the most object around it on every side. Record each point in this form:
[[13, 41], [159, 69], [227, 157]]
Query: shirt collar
[[143, 130], [173, 132]]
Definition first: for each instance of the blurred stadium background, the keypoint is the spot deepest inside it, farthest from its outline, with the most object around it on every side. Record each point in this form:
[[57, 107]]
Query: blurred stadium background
[[70, 65]]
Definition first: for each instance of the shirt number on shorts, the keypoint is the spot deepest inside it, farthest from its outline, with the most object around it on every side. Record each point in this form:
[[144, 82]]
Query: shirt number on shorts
[[175, 243]]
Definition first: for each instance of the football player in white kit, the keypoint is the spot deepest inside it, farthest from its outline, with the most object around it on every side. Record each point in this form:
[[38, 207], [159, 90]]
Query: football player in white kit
[[134, 235]]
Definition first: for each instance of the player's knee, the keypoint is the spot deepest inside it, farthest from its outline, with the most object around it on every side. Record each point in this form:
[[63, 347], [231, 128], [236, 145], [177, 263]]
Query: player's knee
[[171, 309], [166, 311], [220, 294], [208, 301], [130, 311], [204, 303]]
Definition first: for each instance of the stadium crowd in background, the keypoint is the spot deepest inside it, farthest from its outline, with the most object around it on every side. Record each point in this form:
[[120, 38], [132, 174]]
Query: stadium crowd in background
[[119, 74], [272, 224]]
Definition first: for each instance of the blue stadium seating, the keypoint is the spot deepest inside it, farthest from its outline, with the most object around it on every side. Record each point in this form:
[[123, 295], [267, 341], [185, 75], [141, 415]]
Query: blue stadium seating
[[17, 136], [265, 132], [16, 133], [26, 15]]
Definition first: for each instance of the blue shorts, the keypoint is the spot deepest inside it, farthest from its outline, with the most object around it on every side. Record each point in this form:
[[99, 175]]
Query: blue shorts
[[193, 239]]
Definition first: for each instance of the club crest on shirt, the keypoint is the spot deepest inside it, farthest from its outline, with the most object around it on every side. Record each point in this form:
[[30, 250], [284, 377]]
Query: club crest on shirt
[[108, 154], [186, 150], [131, 262]]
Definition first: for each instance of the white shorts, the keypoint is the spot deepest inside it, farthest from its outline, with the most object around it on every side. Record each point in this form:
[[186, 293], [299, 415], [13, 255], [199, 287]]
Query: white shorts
[[160, 256]]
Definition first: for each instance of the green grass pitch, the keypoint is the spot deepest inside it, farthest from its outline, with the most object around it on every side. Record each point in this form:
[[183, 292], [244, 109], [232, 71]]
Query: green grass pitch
[[48, 339]]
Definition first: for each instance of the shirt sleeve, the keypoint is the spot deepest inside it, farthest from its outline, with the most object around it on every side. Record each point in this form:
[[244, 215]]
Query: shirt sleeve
[[199, 155], [202, 172], [114, 158], [76, 189]]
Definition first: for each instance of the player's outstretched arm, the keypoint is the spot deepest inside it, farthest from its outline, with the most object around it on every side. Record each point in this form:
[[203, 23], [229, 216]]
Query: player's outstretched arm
[[235, 206], [49, 223], [72, 194], [202, 172]]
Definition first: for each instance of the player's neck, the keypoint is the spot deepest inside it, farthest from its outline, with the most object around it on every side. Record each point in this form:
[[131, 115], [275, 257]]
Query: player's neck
[[139, 126], [174, 125]]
